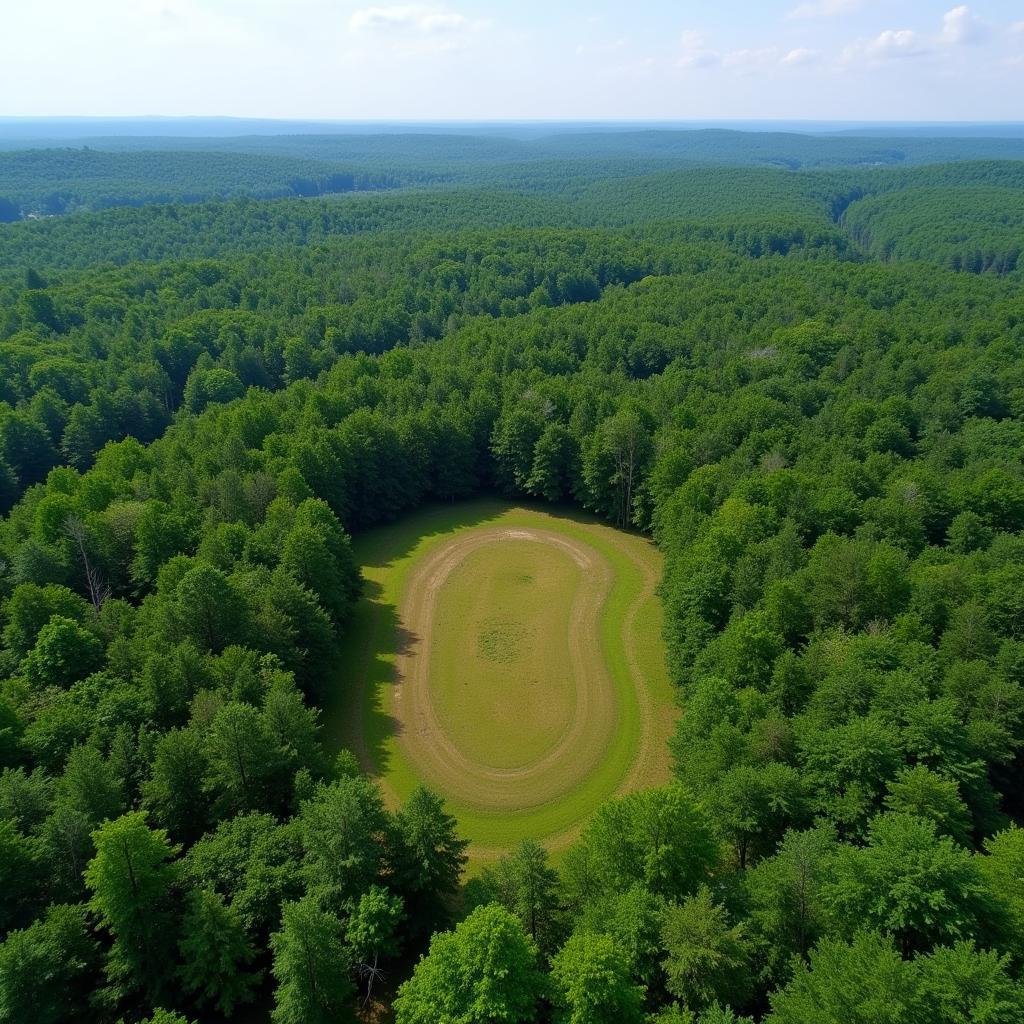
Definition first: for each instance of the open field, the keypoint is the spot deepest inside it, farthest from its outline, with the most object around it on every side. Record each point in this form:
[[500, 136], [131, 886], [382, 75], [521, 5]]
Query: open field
[[511, 659]]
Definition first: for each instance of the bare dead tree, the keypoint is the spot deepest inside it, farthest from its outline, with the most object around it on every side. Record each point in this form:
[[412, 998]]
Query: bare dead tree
[[98, 590], [370, 973]]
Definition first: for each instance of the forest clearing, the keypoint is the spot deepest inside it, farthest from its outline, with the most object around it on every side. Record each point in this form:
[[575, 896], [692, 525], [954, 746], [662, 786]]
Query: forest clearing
[[510, 659]]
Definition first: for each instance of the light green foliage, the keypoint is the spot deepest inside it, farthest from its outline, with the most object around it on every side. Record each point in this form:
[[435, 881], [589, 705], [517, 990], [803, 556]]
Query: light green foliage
[[961, 983], [63, 652], [908, 882], [866, 982], [485, 970], [211, 387], [925, 794], [372, 932], [661, 838], [161, 1016], [633, 919], [1002, 865], [592, 983], [372, 926], [130, 879]]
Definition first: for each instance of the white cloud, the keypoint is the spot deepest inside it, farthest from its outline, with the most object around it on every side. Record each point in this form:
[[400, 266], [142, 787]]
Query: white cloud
[[750, 60], [1017, 28], [407, 18], [825, 8], [694, 52], [892, 44], [799, 57], [960, 27]]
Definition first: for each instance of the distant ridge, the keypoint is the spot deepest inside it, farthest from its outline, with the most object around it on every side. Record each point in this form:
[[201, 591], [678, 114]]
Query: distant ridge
[[77, 128]]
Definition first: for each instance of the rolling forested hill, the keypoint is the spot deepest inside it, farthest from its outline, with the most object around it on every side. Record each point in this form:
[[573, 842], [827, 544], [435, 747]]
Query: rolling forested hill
[[804, 382], [975, 228], [46, 182], [95, 173]]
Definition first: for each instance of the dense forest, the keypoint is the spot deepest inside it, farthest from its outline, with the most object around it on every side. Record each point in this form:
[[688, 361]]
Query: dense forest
[[70, 175], [45, 182], [805, 384]]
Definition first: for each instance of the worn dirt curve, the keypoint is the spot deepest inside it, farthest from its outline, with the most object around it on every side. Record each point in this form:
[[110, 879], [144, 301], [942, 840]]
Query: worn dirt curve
[[424, 739]]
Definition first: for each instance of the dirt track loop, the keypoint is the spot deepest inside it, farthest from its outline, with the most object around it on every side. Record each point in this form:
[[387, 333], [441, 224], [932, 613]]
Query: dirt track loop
[[560, 769]]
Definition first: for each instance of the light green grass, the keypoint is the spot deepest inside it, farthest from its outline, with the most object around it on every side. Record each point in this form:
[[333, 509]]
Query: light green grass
[[499, 653], [387, 555]]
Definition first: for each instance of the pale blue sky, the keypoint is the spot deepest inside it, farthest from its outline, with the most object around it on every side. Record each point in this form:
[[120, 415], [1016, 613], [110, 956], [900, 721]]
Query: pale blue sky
[[646, 59]]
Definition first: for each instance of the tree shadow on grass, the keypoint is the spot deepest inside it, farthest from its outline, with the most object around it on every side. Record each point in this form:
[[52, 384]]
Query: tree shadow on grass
[[355, 715], [381, 546]]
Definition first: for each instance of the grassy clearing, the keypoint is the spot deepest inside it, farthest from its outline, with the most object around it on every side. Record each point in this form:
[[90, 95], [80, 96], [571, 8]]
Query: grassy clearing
[[628, 640], [500, 655]]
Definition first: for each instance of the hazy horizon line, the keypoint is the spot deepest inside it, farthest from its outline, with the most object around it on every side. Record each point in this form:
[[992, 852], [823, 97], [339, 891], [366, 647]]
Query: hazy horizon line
[[506, 120]]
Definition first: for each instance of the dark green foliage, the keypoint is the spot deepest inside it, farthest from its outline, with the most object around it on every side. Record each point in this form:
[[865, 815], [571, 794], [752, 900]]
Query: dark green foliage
[[524, 884], [253, 860], [215, 952], [918, 223], [54, 181], [20, 876], [345, 832], [429, 859], [44, 969], [310, 965], [773, 371]]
